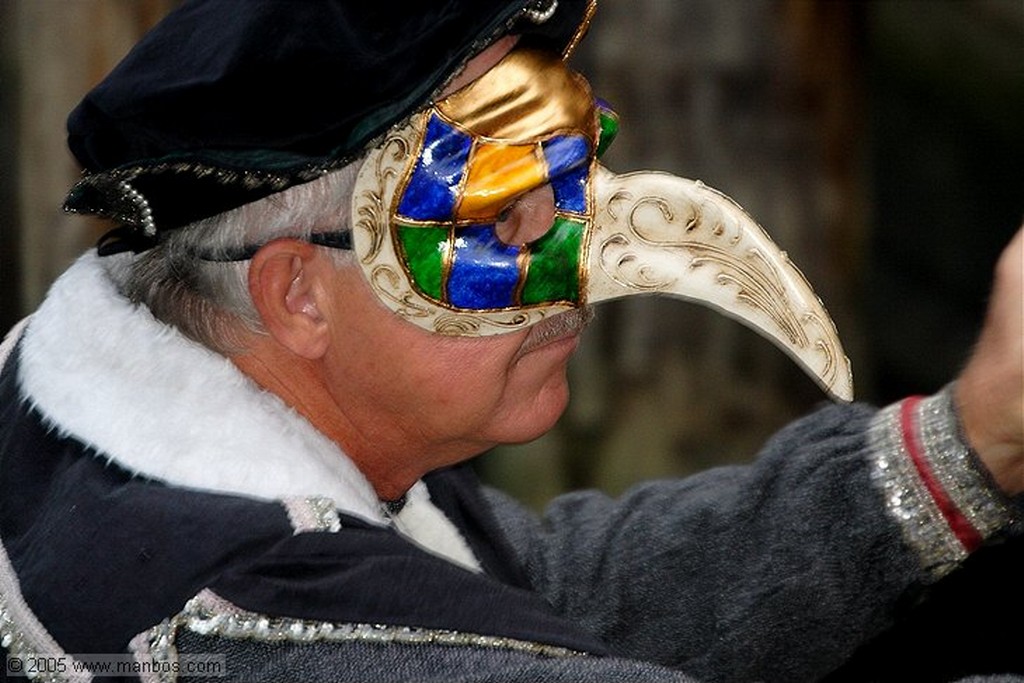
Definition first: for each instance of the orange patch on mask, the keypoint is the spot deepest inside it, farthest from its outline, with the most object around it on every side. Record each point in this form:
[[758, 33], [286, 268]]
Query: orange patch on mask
[[497, 174]]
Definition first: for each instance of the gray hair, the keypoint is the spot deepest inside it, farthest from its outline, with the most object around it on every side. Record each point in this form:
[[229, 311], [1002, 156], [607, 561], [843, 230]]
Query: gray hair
[[184, 285]]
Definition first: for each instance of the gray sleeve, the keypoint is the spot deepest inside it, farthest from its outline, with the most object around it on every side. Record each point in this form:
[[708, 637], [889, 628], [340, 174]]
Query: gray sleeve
[[773, 571]]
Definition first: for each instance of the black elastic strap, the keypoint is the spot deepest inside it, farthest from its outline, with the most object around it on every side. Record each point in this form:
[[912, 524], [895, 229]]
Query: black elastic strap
[[332, 240]]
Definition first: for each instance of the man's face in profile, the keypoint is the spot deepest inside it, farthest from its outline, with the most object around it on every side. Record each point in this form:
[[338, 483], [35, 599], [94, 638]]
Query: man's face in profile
[[455, 395]]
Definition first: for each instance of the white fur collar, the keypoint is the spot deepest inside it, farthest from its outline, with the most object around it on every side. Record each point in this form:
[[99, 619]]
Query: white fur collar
[[190, 419], [109, 374]]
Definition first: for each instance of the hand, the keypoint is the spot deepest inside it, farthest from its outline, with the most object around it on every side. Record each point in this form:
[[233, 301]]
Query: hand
[[990, 391]]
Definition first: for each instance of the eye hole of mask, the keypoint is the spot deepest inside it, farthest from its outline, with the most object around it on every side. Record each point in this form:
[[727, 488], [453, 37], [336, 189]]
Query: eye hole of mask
[[527, 218]]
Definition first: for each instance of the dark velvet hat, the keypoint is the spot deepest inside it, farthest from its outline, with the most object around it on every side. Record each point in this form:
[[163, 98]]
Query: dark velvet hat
[[227, 101]]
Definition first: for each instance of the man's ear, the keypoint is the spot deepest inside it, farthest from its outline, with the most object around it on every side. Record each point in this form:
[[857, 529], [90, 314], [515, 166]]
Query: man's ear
[[286, 283]]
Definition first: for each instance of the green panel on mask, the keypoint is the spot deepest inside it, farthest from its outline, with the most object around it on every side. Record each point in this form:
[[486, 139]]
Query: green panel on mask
[[423, 250], [609, 130], [554, 265]]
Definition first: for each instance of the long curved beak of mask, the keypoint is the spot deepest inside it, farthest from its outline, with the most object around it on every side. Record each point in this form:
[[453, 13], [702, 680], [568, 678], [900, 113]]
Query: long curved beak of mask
[[655, 233], [428, 199]]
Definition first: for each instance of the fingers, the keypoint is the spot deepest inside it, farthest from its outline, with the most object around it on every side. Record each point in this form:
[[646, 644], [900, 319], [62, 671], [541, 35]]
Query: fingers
[[990, 391]]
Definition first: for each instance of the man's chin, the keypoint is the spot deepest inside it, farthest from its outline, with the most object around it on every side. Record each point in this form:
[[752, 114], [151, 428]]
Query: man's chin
[[545, 414]]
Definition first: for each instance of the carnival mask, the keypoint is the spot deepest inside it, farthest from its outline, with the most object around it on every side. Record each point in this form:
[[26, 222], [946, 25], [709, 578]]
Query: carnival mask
[[429, 198]]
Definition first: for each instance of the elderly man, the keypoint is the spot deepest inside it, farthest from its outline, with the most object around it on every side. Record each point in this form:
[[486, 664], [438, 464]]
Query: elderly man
[[349, 260]]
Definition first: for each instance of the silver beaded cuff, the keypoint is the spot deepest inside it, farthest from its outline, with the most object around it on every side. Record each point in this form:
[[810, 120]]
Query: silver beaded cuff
[[948, 476]]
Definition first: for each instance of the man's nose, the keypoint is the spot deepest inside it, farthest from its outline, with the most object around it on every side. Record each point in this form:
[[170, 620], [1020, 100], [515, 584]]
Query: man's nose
[[528, 218]]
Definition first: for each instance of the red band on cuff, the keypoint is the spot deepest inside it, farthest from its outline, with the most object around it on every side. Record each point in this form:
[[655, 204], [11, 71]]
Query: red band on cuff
[[958, 523]]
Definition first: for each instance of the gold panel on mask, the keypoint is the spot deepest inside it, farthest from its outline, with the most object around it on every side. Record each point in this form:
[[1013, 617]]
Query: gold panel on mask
[[527, 95]]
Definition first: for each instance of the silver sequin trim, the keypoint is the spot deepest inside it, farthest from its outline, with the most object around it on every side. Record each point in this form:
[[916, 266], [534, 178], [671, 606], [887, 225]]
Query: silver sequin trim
[[955, 466], [155, 647], [142, 208], [22, 635], [315, 513], [119, 200], [542, 10], [208, 614], [907, 497]]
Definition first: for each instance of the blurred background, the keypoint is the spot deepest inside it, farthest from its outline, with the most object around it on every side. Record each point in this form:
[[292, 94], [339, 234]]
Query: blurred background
[[880, 143]]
